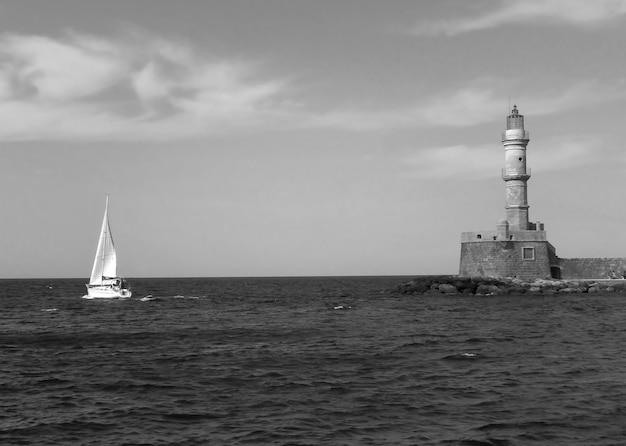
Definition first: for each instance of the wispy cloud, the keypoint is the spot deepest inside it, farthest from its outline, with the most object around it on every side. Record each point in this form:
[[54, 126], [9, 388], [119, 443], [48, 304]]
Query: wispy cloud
[[458, 161], [571, 12], [475, 104], [561, 152], [85, 86], [465, 107], [56, 71]]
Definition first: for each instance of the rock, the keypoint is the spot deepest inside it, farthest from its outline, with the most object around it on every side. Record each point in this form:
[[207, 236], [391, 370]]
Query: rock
[[438, 285], [413, 287], [516, 289], [570, 290], [619, 286], [466, 286], [487, 289], [447, 288]]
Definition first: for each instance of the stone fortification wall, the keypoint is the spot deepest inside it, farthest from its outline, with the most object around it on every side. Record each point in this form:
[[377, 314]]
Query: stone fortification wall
[[526, 260], [592, 268], [478, 236], [515, 235]]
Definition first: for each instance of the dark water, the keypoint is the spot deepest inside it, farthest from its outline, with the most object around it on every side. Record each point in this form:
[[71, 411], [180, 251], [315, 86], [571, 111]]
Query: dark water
[[273, 362]]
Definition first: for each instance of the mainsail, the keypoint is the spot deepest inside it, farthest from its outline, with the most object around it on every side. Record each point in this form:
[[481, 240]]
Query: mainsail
[[105, 263]]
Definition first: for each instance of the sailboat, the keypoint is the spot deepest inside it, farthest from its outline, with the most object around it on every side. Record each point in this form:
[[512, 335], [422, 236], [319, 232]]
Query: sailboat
[[104, 282]]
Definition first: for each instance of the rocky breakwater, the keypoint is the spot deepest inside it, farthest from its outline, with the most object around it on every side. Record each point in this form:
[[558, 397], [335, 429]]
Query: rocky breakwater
[[487, 286]]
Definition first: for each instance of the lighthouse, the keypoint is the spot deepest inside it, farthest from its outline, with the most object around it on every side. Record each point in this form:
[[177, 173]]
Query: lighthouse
[[515, 174], [516, 247]]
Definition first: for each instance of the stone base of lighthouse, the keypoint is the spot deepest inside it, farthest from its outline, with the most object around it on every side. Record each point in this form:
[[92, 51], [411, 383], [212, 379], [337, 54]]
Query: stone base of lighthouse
[[522, 254]]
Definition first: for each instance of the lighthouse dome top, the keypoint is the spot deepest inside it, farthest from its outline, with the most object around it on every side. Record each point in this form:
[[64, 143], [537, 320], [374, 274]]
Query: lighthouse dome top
[[515, 120]]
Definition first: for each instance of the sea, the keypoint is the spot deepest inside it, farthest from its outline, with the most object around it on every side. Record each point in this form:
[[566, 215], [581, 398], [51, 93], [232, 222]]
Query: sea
[[307, 361]]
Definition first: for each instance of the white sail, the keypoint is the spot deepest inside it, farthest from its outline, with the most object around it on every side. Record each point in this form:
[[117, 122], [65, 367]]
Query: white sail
[[104, 283], [105, 262]]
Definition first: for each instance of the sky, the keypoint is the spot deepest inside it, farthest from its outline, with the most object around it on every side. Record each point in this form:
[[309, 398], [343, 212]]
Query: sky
[[302, 137]]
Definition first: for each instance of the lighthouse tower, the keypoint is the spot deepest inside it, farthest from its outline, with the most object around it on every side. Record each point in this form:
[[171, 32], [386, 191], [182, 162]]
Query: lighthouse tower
[[516, 247], [515, 174]]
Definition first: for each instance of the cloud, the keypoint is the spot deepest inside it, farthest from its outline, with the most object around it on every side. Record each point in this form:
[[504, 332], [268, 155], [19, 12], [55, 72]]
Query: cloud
[[561, 152], [53, 70], [83, 86], [457, 161], [577, 96], [570, 12], [475, 104], [465, 107]]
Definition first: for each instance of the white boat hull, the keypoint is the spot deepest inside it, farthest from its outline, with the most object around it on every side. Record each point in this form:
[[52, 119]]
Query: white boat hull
[[106, 292]]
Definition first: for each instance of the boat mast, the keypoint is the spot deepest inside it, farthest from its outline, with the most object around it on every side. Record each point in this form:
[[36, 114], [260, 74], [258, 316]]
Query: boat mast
[[104, 232]]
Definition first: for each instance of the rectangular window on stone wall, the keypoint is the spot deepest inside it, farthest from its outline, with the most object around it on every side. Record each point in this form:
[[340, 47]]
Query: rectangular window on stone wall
[[528, 253]]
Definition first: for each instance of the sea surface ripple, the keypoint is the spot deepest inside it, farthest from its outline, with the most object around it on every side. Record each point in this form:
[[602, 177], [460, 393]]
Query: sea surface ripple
[[308, 361]]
